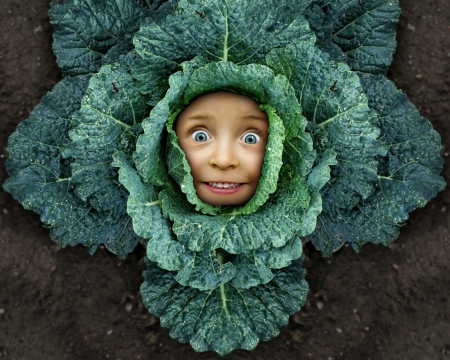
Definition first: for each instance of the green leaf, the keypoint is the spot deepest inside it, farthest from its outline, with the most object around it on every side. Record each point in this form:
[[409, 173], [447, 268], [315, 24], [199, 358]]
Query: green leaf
[[241, 32], [365, 31], [85, 30], [226, 317], [408, 176], [237, 229], [250, 271], [204, 272], [110, 116], [274, 223], [340, 119], [253, 268], [144, 208], [197, 269], [149, 156], [321, 27], [40, 178], [260, 82]]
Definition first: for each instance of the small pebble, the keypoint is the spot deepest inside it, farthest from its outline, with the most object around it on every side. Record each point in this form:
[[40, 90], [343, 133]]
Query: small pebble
[[319, 305], [395, 266], [71, 344], [419, 76], [128, 307], [5, 211], [443, 209], [109, 332], [339, 330], [2, 311]]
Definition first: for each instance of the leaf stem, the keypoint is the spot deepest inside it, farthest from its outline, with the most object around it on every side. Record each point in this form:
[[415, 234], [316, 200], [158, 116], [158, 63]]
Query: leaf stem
[[225, 40], [224, 300], [220, 258]]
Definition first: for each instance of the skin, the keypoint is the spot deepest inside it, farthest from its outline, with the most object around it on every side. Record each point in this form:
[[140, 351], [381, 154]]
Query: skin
[[224, 137]]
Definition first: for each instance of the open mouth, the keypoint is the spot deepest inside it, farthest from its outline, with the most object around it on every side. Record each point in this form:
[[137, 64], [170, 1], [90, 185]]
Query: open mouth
[[224, 185], [224, 188]]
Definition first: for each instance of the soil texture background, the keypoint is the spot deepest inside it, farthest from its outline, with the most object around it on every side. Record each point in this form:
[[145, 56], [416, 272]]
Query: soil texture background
[[383, 303]]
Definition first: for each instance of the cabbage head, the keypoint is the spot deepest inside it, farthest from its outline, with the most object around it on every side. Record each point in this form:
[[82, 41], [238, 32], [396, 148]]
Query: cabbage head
[[348, 156]]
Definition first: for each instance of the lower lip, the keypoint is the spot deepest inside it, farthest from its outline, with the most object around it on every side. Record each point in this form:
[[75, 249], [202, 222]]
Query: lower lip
[[224, 190]]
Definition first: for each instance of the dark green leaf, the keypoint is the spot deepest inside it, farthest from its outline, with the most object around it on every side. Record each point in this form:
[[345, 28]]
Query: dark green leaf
[[226, 317]]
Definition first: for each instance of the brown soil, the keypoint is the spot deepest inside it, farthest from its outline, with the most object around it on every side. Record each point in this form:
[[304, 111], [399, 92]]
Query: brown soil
[[385, 302]]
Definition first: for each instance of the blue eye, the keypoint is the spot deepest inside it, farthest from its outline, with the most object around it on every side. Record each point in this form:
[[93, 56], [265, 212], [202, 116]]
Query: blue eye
[[251, 138], [200, 136]]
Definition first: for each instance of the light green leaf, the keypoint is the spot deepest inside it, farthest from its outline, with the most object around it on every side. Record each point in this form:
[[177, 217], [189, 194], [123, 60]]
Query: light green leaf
[[200, 270], [231, 231], [149, 156]]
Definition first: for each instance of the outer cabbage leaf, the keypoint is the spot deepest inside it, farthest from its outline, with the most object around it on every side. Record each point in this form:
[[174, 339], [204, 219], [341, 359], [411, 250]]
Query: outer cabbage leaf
[[153, 4], [253, 268], [408, 176], [242, 32], [364, 30], [317, 22], [109, 118], [86, 30], [334, 103], [226, 317], [40, 178]]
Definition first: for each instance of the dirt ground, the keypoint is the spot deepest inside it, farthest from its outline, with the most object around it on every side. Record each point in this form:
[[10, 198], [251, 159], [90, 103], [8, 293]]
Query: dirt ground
[[383, 303]]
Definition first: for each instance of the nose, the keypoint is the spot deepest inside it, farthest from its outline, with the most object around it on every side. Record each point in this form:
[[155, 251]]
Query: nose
[[224, 156]]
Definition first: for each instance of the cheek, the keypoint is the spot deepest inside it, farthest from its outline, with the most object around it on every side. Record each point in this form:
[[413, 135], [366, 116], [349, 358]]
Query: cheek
[[254, 163], [197, 163]]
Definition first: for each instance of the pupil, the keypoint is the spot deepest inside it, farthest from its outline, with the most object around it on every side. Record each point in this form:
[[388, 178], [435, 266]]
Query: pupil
[[200, 137], [250, 139]]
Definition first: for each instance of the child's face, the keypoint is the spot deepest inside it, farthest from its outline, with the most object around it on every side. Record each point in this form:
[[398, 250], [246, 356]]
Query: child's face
[[224, 137]]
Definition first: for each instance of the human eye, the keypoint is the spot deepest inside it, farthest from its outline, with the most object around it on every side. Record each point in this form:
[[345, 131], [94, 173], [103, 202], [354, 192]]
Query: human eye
[[200, 136], [251, 138]]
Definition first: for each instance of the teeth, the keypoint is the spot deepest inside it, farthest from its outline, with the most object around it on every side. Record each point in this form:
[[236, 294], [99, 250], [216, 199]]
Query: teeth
[[223, 185]]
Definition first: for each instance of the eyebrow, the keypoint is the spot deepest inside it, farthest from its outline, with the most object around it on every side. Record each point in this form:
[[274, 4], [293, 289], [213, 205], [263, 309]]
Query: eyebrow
[[255, 117]]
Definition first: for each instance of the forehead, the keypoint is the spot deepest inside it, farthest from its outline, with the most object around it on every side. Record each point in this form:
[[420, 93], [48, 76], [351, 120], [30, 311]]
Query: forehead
[[220, 105]]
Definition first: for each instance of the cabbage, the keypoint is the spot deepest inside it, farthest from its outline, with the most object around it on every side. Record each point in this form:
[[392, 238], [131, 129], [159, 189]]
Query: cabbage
[[348, 157]]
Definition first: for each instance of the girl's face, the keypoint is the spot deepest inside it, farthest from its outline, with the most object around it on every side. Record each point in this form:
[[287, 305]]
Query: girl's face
[[224, 137]]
